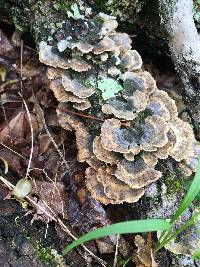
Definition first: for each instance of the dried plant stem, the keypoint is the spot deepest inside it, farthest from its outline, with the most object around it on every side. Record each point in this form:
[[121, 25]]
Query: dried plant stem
[[81, 115], [31, 127], [88, 116], [116, 251]]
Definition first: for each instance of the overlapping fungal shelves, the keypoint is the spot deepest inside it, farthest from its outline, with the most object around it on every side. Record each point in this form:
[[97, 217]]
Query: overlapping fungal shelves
[[93, 70]]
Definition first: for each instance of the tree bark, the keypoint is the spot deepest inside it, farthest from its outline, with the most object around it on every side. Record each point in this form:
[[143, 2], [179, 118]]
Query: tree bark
[[184, 43]]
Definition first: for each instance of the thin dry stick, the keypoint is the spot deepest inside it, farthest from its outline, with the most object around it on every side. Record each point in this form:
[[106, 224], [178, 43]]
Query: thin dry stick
[[56, 147], [15, 152], [116, 252], [124, 123], [31, 127], [64, 227], [21, 66], [81, 115]]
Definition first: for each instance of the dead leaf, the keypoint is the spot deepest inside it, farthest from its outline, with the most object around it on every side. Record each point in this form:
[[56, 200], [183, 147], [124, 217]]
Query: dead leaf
[[6, 47], [17, 128], [50, 194], [12, 159], [143, 257]]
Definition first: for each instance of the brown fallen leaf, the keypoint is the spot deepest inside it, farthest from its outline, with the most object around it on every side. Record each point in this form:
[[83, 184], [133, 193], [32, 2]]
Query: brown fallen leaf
[[12, 159], [17, 129], [143, 257], [6, 47], [51, 195]]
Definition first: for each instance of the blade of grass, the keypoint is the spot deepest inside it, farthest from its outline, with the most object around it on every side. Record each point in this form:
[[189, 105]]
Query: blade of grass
[[139, 226], [190, 196], [193, 191], [173, 234]]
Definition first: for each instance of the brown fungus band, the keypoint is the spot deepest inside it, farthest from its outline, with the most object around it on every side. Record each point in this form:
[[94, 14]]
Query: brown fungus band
[[123, 123]]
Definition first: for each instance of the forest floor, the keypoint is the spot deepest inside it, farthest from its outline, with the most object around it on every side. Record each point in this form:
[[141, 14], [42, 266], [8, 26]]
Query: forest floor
[[28, 236]]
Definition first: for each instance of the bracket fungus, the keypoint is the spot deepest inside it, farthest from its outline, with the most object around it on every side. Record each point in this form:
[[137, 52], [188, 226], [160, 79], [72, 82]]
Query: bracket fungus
[[100, 79]]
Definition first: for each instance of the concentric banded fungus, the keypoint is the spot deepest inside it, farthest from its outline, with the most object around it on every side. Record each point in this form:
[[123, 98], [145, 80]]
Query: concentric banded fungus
[[96, 188], [183, 148], [155, 133], [162, 105], [131, 60], [103, 154], [76, 87], [101, 75], [115, 139], [136, 174], [61, 94], [119, 108], [116, 189]]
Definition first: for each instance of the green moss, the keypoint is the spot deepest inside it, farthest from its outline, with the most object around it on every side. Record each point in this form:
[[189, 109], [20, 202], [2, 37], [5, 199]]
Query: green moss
[[61, 5], [174, 184], [47, 255]]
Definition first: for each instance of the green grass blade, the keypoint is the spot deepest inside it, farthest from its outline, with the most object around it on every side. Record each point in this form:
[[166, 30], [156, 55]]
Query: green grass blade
[[190, 196], [139, 226], [173, 234], [196, 255]]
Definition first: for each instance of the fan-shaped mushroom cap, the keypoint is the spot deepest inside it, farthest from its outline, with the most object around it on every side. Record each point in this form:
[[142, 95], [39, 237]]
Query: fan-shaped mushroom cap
[[83, 138], [103, 154], [155, 133], [54, 73], [79, 65], [149, 159], [115, 139], [183, 148], [114, 71], [78, 89], [164, 152], [61, 94], [139, 101], [131, 60], [136, 174], [109, 24], [84, 47], [162, 105], [129, 156], [151, 83], [119, 108], [82, 106], [132, 83], [106, 44], [137, 88], [95, 187], [116, 189], [50, 58], [123, 41]]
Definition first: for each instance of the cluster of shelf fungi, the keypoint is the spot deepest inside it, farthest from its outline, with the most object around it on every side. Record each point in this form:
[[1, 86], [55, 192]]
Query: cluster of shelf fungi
[[96, 73]]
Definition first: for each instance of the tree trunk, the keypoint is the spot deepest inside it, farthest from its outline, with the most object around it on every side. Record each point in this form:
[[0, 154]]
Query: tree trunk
[[184, 43]]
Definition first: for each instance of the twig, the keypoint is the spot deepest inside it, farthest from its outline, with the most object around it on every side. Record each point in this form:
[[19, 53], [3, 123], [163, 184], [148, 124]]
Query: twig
[[81, 115], [124, 123], [15, 152], [55, 145], [116, 251], [31, 127], [21, 66]]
